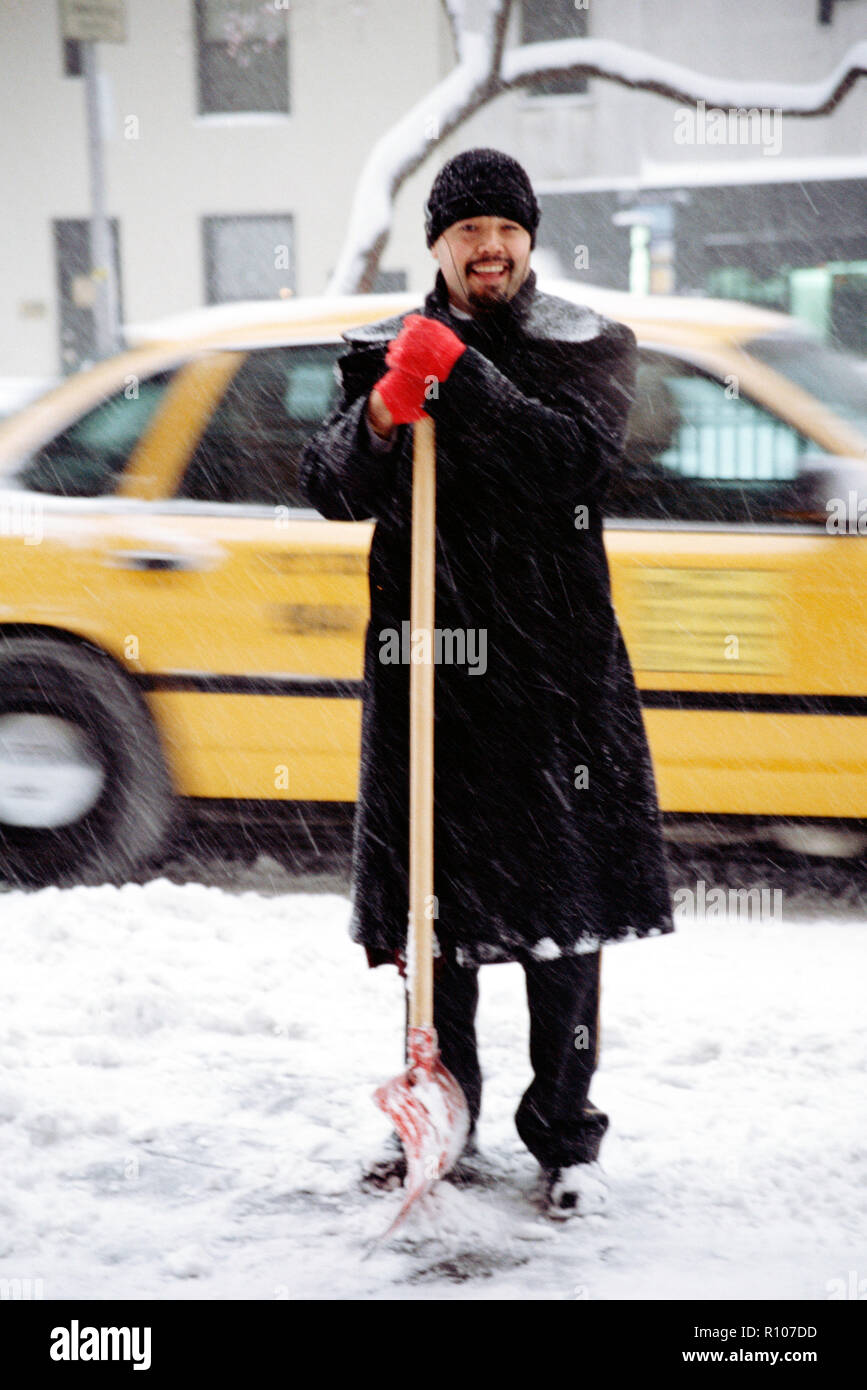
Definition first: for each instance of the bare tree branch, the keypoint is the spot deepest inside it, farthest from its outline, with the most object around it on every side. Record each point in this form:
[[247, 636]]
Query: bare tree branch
[[477, 26], [487, 19], [630, 67], [486, 70], [501, 25]]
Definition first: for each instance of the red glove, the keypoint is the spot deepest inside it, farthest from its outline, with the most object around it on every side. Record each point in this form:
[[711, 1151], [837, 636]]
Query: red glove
[[403, 395], [425, 348]]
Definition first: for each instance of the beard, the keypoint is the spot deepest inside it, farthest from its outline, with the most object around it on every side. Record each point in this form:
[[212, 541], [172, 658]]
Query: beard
[[487, 303], [490, 300]]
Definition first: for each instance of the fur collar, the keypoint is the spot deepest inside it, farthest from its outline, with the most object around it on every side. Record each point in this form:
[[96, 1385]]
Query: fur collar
[[531, 313]]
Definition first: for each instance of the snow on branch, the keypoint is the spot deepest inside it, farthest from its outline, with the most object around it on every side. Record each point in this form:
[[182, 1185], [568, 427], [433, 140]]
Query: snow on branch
[[486, 18], [478, 31], [486, 70], [633, 68], [395, 156]]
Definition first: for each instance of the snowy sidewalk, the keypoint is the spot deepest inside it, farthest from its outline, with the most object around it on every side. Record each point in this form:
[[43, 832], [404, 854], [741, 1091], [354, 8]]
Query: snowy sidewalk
[[185, 1100]]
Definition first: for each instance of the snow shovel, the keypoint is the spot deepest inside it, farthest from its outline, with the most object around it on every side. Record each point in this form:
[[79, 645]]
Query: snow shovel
[[425, 1104]]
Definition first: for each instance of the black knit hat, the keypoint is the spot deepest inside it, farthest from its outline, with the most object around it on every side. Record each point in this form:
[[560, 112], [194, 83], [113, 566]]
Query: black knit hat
[[481, 183]]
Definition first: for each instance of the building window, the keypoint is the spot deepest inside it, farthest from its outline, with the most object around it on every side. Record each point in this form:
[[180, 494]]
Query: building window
[[71, 58], [540, 23], [76, 289], [249, 257], [243, 56]]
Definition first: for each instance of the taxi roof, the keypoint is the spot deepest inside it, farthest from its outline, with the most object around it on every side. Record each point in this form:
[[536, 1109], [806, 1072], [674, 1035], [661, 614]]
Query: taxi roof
[[704, 327], [325, 317]]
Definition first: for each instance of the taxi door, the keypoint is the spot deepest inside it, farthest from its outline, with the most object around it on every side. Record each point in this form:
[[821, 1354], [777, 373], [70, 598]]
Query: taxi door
[[739, 622], [247, 609]]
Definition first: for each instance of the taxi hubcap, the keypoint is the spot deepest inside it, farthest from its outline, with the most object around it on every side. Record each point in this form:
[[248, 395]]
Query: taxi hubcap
[[49, 776]]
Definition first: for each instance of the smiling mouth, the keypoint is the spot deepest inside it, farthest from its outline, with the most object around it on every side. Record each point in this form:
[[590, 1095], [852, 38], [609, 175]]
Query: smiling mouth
[[489, 270]]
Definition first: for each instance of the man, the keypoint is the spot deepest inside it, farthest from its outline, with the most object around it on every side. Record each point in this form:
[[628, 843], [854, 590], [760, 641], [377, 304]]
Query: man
[[547, 839]]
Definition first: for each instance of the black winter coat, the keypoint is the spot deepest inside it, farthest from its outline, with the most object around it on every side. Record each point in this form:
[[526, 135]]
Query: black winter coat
[[547, 835]]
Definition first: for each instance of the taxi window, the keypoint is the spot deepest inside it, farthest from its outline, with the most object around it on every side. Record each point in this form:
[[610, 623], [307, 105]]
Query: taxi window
[[253, 444], [88, 458], [838, 379], [697, 450]]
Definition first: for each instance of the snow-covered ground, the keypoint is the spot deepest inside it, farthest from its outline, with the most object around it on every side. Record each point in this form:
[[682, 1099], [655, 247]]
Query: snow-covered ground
[[185, 1100]]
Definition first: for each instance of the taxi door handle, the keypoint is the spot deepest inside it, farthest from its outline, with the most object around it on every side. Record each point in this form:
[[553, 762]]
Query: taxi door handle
[[150, 560]]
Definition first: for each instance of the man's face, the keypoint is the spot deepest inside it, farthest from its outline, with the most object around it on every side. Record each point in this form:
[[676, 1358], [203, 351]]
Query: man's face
[[484, 260]]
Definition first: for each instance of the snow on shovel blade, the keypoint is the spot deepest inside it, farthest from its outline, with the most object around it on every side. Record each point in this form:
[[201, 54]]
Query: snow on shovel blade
[[429, 1111]]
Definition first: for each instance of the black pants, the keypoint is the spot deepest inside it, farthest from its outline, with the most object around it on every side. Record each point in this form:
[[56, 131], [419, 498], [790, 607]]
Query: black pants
[[555, 1118]]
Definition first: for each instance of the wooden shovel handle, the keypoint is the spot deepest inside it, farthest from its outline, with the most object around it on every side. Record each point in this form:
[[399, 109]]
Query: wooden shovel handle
[[421, 729]]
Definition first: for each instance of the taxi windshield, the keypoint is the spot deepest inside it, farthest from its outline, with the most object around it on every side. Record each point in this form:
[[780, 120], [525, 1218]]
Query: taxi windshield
[[837, 379]]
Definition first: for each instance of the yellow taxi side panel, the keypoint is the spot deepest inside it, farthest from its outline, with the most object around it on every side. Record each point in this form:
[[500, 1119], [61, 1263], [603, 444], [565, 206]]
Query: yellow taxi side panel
[[264, 746], [759, 764], [776, 614]]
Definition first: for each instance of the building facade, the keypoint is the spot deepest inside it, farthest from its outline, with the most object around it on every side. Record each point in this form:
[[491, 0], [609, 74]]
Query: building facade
[[234, 132]]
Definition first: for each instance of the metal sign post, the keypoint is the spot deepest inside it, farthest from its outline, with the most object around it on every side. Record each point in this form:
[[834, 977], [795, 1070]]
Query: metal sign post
[[91, 22]]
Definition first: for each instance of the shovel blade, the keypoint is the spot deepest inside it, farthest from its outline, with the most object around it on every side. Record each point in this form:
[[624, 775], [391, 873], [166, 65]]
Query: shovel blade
[[429, 1111]]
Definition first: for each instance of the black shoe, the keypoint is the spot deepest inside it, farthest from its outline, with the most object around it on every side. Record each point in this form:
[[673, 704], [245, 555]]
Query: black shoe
[[388, 1169], [578, 1190], [466, 1170]]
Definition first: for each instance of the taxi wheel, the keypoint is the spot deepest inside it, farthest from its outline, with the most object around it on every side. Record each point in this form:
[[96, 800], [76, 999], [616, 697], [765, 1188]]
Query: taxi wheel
[[85, 795]]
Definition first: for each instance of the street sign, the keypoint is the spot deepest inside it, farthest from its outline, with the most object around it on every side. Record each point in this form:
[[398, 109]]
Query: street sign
[[94, 21]]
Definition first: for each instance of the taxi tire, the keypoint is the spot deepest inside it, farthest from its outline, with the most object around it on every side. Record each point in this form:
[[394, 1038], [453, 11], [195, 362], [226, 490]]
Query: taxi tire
[[136, 808]]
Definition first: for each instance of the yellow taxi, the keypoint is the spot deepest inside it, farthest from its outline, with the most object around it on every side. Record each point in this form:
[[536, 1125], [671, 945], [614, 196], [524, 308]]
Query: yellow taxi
[[177, 623]]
